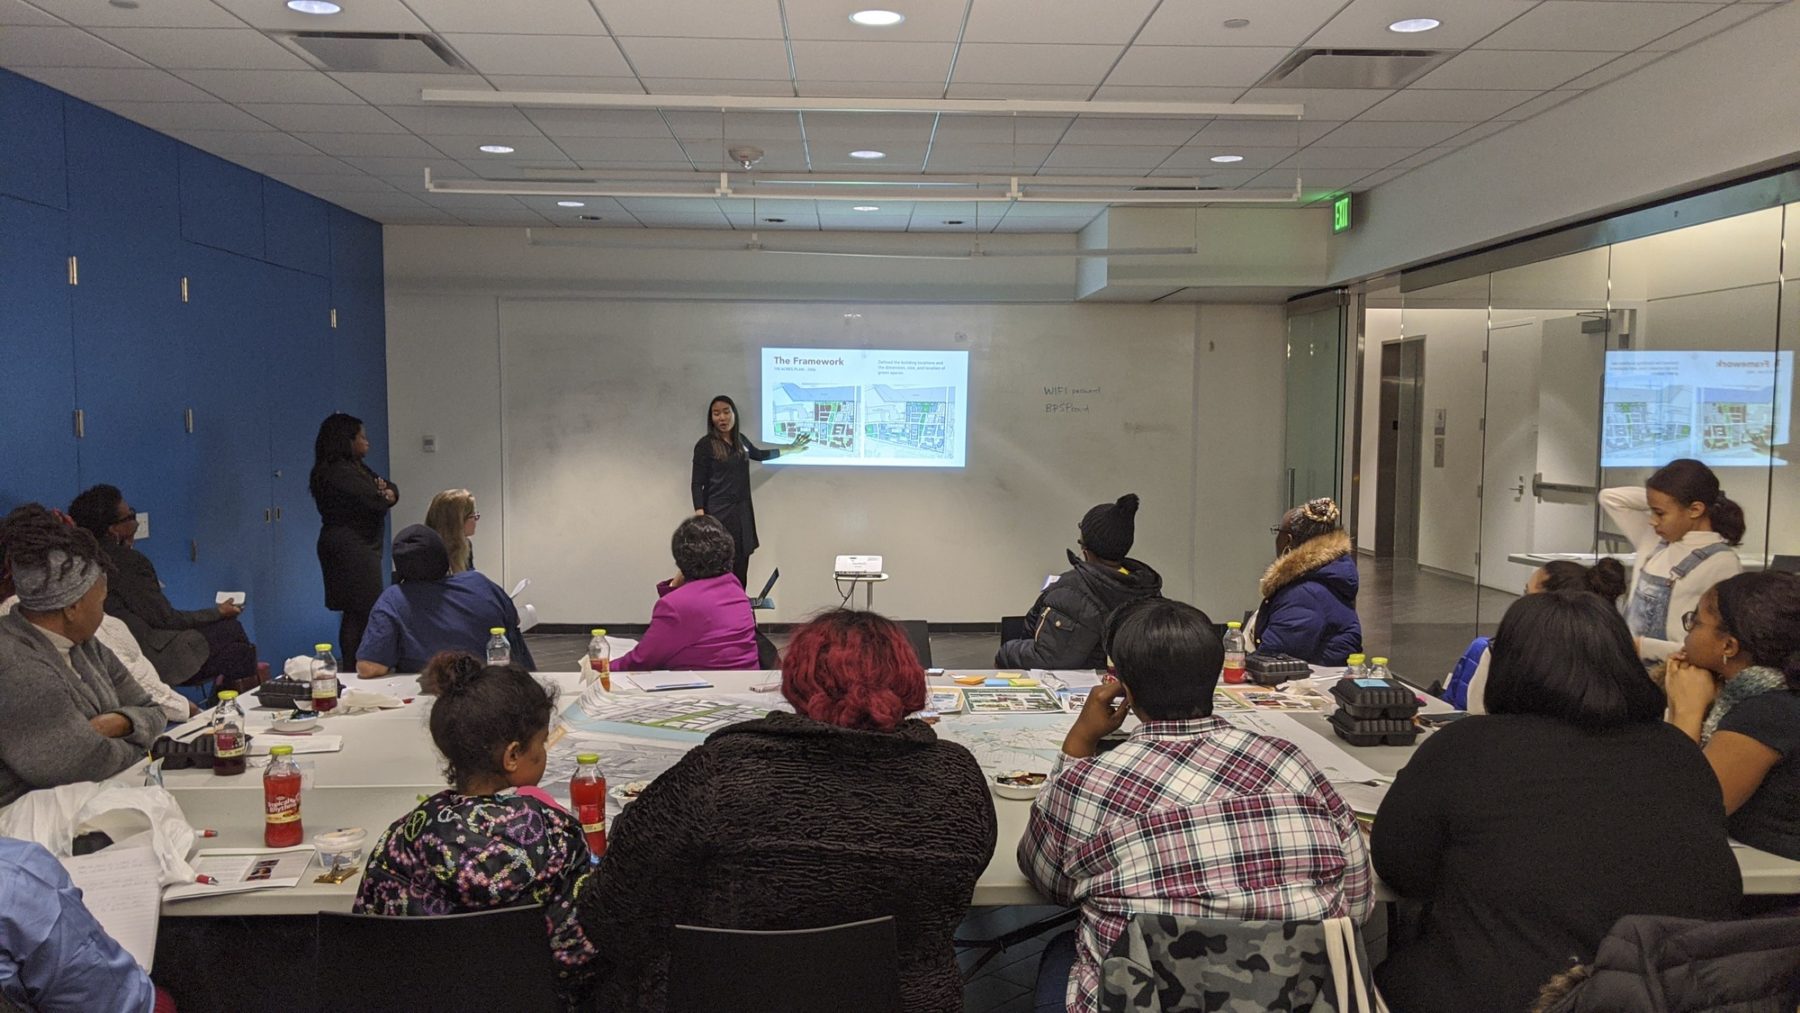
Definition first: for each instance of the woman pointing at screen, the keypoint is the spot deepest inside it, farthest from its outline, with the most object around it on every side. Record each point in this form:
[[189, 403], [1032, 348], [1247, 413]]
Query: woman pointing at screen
[[722, 477]]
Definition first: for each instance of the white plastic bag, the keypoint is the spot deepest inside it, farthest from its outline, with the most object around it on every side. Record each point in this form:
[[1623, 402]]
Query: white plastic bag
[[298, 668], [54, 817]]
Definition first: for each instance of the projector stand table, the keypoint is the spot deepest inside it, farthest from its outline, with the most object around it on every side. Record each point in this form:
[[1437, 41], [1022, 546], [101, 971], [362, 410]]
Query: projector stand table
[[867, 580]]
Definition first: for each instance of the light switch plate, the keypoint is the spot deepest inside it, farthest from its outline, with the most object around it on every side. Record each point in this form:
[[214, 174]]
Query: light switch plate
[[430, 444]]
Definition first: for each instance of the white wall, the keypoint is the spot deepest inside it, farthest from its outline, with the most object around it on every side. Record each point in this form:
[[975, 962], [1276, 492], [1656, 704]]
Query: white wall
[[509, 377]]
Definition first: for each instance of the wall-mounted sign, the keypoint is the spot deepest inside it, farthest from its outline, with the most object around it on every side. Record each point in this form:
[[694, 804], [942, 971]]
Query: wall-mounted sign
[[1340, 214]]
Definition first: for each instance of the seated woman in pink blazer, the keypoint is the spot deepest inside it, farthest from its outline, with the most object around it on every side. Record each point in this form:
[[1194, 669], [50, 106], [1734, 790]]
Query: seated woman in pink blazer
[[702, 622]]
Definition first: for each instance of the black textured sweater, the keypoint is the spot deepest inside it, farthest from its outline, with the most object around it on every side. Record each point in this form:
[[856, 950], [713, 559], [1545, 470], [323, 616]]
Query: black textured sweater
[[786, 823]]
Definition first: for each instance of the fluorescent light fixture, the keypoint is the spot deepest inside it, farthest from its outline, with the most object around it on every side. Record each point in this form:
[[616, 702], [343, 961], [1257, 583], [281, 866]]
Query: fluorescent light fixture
[[1409, 25], [868, 153], [313, 6], [878, 18], [571, 204], [866, 207], [497, 149], [1224, 159]]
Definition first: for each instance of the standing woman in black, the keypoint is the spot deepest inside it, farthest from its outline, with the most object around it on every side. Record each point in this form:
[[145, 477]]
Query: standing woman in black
[[722, 477], [353, 504]]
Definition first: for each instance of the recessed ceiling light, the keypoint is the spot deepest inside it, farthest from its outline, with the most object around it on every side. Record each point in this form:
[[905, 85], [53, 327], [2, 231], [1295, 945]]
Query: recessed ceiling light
[[124, 5], [1409, 25], [868, 153], [497, 149], [877, 18], [774, 221], [866, 207], [589, 218], [953, 221], [1227, 158], [313, 6], [571, 204], [1237, 22]]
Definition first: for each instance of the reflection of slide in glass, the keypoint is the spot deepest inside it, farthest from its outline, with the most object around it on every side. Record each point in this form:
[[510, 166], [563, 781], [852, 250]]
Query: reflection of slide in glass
[[867, 407], [1724, 408]]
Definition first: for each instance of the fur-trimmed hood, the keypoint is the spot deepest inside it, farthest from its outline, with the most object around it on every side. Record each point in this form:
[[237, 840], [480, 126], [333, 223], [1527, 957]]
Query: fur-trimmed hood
[[1307, 557]]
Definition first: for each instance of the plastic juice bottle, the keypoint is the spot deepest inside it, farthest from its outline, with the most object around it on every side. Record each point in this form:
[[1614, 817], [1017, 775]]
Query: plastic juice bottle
[[1356, 667], [231, 746], [600, 659], [587, 795], [324, 679], [499, 649], [1234, 653], [281, 800], [1378, 669]]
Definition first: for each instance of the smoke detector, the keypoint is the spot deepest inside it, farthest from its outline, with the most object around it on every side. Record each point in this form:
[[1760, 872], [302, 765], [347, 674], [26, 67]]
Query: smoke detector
[[746, 156]]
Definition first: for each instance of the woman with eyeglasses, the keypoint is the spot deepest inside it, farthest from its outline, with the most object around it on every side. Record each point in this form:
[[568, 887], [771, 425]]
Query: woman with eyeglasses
[[1735, 689], [453, 516]]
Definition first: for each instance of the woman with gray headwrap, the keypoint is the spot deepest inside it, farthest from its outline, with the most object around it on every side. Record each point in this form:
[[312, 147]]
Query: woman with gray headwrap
[[69, 711]]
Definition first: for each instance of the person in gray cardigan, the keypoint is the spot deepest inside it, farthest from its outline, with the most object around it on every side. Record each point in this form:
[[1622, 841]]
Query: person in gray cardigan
[[69, 711]]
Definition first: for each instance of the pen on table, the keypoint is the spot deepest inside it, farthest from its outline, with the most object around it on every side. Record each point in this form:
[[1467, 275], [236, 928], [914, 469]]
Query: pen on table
[[206, 833]]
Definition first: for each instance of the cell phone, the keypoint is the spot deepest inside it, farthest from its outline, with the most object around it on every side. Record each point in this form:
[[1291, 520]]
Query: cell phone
[[934, 671]]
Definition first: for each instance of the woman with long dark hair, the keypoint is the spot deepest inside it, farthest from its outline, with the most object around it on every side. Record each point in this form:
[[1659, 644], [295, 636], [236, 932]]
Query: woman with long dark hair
[[721, 482], [353, 503], [1684, 530]]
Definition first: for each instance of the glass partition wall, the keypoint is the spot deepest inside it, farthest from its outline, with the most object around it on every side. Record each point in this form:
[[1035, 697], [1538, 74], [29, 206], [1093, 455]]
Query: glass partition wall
[[1497, 403]]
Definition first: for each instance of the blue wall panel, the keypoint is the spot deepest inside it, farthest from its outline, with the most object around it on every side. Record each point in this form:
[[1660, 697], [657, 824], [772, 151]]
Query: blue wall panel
[[37, 386], [31, 121], [296, 229], [221, 203]]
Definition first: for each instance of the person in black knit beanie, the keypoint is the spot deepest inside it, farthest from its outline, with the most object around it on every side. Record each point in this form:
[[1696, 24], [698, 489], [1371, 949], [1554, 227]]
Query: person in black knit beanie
[[1065, 622]]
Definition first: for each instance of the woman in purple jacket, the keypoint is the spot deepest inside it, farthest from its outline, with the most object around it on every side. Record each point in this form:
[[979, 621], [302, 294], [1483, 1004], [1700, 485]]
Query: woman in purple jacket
[[702, 621]]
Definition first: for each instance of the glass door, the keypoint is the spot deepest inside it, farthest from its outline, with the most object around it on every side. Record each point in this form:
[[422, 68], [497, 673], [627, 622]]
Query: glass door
[[1315, 391]]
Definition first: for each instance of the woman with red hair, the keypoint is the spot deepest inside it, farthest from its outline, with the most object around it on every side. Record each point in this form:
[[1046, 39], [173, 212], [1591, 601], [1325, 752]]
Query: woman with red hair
[[842, 811]]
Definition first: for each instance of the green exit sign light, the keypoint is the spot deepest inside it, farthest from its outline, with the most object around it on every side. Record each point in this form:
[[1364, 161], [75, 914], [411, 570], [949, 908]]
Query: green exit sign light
[[1340, 214]]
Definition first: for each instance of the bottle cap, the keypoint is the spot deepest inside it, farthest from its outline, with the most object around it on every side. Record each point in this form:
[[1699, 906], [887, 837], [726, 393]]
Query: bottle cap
[[228, 694], [1354, 658], [497, 631], [321, 647], [597, 633], [1380, 661], [1234, 626], [281, 750], [587, 758]]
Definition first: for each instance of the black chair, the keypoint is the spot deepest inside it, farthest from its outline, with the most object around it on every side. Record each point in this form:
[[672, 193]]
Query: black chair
[[835, 969], [1785, 564], [1014, 628], [919, 632], [767, 657], [477, 962]]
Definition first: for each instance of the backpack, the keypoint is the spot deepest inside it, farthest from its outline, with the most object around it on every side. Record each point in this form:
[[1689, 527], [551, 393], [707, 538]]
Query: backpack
[[1456, 694]]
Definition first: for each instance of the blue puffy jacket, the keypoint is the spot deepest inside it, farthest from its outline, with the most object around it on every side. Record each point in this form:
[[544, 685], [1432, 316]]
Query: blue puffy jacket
[[1309, 603]]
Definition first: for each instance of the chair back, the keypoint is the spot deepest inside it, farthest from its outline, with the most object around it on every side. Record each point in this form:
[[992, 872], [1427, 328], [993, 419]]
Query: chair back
[[918, 631], [854, 966], [1161, 962], [476, 962]]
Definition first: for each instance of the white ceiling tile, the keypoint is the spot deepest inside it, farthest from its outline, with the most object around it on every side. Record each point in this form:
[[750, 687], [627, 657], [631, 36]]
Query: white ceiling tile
[[590, 206], [1078, 21], [623, 149], [665, 205], [1199, 155], [59, 47], [489, 121], [467, 147], [361, 16], [620, 85], [178, 116], [247, 142], [1518, 69], [746, 19], [1618, 68], [1048, 92], [1707, 26], [1196, 66], [1417, 159], [1003, 63], [1539, 104], [347, 182], [1290, 134], [1480, 130], [1152, 93], [746, 126], [381, 145], [404, 89], [1321, 103], [751, 59], [856, 127], [926, 21], [779, 156], [423, 216], [204, 48], [541, 54], [301, 86], [1225, 178], [1345, 158], [1595, 25], [1315, 180], [716, 86], [1375, 179], [853, 222], [874, 61], [602, 166], [288, 163], [125, 84], [1133, 130], [1132, 157], [1362, 134], [560, 123], [987, 157], [1272, 22], [346, 119], [1046, 226], [1446, 104], [869, 89], [405, 171], [514, 167], [541, 17], [1001, 129], [1364, 23], [459, 202], [17, 12], [159, 14]]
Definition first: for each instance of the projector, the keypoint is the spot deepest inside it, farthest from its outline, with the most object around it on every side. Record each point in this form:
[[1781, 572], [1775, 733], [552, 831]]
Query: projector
[[858, 566]]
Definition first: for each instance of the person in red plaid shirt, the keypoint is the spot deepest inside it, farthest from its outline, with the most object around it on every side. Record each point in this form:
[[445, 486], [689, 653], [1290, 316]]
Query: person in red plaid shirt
[[1189, 816]]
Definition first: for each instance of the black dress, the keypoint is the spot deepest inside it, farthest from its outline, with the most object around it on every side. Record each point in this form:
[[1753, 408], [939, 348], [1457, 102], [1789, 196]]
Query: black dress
[[722, 488], [354, 513]]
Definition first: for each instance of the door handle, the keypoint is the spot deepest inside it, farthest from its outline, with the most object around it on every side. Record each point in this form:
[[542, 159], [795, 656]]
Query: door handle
[[1519, 490]]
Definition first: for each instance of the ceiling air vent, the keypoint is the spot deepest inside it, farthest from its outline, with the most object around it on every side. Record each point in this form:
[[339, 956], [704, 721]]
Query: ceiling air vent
[[1353, 68], [375, 52]]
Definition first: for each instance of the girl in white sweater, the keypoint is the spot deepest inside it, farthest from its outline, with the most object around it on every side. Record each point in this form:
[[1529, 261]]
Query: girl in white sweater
[[1685, 532]]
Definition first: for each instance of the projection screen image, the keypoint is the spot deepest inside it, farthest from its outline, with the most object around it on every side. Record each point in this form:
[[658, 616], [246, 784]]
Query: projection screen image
[[1724, 408], [867, 407]]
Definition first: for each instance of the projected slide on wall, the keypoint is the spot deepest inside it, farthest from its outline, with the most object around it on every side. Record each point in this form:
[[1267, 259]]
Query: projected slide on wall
[[1724, 408], [871, 408]]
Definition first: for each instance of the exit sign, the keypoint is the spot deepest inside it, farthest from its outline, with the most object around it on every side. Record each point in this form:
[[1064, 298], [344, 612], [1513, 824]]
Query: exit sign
[[1340, 214]]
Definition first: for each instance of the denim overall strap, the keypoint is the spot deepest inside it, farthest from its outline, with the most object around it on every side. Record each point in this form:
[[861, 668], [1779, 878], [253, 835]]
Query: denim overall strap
[[1648, 612]]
